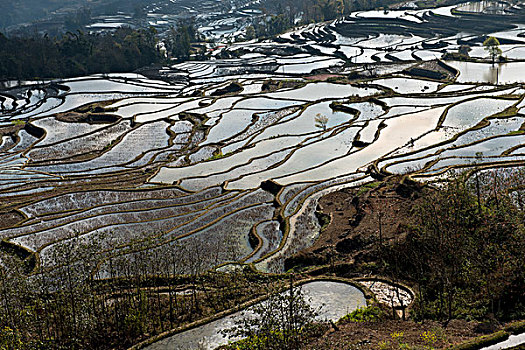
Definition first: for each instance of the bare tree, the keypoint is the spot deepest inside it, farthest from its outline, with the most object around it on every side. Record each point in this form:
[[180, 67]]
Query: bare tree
[[321, 121]]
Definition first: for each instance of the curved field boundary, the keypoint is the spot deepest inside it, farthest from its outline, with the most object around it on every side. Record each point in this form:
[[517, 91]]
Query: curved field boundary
[[514, 328], [366, 292]]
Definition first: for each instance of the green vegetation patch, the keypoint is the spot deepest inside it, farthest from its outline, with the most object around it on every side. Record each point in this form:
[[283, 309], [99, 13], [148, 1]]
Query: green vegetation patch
[[367, 187], [367, 314], [516, 327]]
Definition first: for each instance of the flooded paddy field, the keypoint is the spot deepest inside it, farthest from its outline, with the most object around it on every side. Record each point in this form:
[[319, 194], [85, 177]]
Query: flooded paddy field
[[229, 154], [333, 300]]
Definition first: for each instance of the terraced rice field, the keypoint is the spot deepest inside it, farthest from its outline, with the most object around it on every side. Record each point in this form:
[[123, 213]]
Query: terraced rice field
[[332, 299], [137, 165]]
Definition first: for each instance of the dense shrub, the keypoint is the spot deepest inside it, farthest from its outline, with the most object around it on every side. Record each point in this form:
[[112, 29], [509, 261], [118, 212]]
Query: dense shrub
[[367, 314]]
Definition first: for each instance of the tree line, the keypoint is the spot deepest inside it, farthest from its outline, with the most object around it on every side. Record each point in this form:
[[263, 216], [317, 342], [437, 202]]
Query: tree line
[[77, 54], [79, 305]]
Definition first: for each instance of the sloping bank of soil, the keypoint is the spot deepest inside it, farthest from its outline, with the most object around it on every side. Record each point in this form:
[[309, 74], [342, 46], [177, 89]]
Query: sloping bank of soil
[[361, 219], [395, 334]]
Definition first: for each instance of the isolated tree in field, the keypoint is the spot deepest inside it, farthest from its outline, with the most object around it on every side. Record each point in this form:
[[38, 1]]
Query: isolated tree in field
[[492, 47], [321, 121]]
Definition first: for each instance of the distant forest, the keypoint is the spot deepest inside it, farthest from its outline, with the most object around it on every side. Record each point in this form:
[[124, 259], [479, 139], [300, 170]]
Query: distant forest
[[77, 54]]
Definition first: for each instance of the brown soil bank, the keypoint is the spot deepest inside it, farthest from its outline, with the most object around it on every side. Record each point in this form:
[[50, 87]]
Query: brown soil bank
[[361, 220], [393, 334]]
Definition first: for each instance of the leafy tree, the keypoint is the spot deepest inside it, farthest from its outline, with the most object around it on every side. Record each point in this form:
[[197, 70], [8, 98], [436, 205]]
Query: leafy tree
[[179, 41], [279, 323], [491, 45]]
